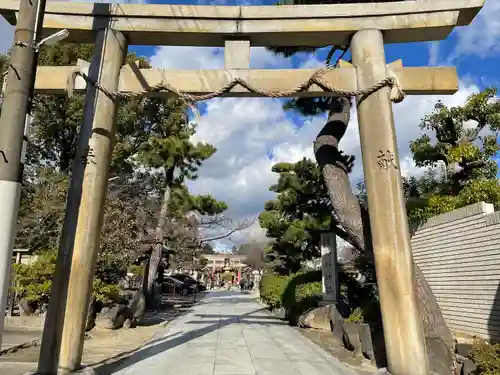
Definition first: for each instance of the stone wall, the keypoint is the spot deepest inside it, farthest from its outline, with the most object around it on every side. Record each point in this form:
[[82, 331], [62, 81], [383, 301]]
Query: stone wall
[[25, 322], [459, 254]]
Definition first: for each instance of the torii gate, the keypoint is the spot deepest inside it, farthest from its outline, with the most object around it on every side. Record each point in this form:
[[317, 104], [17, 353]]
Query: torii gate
[[366, 27]]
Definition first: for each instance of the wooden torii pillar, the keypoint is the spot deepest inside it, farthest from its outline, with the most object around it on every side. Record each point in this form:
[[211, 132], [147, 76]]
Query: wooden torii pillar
[[366, 27]]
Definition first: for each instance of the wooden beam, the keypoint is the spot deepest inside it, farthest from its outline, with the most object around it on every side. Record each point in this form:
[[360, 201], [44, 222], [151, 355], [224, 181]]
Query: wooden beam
[[285, 25], [414, 80]]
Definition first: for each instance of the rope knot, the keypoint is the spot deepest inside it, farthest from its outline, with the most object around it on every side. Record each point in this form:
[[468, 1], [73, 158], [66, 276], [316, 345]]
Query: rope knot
[[397, 94]]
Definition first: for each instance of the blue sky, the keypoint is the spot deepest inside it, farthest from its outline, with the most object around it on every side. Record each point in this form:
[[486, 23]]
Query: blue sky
[[253, 134]]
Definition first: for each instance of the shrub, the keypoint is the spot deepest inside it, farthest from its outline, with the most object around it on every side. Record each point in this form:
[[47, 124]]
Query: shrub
[[356, 316], [307, 296], [296, 293], [487, 358], [33, 281], [136, 270], [106, 294], [303, 291], [272, 288], [362, 299], [289, 296]]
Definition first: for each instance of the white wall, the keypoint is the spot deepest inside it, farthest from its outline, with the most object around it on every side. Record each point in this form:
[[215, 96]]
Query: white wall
[[459, 254]]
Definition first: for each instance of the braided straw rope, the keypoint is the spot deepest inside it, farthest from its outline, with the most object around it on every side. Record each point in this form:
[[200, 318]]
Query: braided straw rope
[[396, 95]]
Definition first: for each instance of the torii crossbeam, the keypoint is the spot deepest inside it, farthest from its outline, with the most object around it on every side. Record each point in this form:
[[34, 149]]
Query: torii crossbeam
[[298, 25], [364, 27], [413, 80]]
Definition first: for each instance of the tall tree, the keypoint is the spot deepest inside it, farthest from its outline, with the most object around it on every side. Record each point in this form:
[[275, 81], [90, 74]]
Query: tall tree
[[460, 165], [169, 149], [466, 141], [297, 216], [57, 118], [43, 200], [51, 152]]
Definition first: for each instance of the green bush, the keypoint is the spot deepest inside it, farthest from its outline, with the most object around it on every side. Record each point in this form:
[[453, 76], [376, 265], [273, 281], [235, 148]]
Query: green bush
[[107, 294], [303, 291], [272, 288], [487, 358], [296, 293], [361, 299], [356, 316], [289, 296], [136, 270], [307, 296], [33, 281]]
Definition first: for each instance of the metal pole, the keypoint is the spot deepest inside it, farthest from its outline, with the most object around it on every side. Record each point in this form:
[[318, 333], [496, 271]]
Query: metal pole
[[16, 104], [403, 330]]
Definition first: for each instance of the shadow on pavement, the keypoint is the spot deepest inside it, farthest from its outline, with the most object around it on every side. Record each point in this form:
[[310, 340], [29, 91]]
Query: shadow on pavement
[[164, 344]]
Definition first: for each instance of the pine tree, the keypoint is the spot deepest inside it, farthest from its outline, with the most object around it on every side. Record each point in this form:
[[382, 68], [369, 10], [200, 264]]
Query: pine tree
[[297, 216], [170, 149]]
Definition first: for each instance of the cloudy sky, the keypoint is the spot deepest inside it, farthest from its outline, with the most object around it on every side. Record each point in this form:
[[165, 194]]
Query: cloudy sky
[[253, 134]]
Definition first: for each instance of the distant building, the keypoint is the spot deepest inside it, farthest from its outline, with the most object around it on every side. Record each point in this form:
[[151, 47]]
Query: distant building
[[218, 262]]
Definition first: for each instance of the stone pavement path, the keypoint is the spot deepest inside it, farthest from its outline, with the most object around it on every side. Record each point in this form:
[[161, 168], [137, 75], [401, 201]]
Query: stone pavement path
[[229, 333]]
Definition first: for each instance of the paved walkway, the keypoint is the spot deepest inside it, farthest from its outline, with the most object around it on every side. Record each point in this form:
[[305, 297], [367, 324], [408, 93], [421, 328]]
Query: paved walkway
[[229, 333]]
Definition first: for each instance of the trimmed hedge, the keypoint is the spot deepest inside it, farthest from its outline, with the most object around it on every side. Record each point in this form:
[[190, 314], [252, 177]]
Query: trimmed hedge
[[301, 291], [307, 296], [271, 289], [295, 293]]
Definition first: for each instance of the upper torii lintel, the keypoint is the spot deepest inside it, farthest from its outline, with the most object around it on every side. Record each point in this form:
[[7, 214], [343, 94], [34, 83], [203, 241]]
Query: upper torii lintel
[[285, 25]]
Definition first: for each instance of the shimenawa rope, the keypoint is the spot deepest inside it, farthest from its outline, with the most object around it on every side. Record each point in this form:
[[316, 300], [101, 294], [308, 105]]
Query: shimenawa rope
[[396, 94]]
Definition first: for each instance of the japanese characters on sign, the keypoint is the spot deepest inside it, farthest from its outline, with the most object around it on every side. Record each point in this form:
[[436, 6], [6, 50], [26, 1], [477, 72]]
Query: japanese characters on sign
[[329, 266]]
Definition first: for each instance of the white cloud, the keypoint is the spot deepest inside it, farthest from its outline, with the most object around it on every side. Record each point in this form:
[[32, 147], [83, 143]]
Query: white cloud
[[179, 57], [482, 36], [252, 134], [433, 53]]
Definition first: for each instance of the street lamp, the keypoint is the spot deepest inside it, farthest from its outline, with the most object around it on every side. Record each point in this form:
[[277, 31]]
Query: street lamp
[[53, 39]]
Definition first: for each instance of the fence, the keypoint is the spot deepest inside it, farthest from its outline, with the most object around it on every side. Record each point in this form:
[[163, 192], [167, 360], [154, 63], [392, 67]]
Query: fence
[[459, 254], [175, 293]]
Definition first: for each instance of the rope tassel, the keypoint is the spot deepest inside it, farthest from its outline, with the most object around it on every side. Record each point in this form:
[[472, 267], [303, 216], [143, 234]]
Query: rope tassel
[[70, 83], [397, 93]]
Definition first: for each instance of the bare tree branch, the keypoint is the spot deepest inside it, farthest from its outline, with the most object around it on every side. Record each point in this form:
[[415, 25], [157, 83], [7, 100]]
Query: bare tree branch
[[229, 227]]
